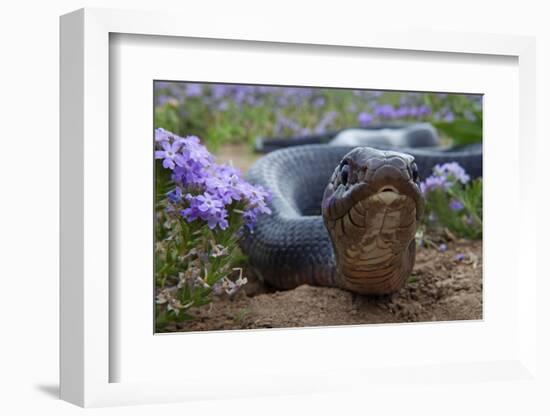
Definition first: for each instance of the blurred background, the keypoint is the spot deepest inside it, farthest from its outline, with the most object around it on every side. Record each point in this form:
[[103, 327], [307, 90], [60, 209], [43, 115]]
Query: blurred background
[[229, 118]]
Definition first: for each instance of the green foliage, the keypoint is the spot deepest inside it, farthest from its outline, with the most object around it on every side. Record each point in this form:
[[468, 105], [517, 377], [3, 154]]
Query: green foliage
[[286, 113], [459, 209], [462, 131], [168, 116], [192, 262]]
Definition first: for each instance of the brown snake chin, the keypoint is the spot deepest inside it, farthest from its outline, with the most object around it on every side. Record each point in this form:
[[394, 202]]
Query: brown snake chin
[[370, 209], [374, 243]]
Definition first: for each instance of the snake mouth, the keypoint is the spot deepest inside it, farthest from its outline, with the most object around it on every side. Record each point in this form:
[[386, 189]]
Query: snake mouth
[[341, 202], [387, 199], [388, 195], [369, 177]]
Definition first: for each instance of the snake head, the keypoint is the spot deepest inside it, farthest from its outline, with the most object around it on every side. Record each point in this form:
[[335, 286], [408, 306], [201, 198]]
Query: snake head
[[371, 207], [365, 172]]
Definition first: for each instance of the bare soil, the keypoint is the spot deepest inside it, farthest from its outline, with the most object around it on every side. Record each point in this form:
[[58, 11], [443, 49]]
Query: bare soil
[[237, 154], [445, 285]]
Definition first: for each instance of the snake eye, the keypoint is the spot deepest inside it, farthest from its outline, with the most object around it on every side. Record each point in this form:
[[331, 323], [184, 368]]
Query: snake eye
[[414, 170], [344, 174]]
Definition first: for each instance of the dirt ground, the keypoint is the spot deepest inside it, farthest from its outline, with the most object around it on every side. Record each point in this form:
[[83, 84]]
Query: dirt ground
[[237, 154], [445, 285]]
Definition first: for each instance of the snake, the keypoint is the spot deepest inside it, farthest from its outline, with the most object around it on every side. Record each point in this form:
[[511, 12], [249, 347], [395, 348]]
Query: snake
[[344, 216]]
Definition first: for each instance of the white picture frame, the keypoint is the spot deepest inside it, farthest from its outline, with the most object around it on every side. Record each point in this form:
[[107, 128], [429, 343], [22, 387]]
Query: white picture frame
[[87, 356]]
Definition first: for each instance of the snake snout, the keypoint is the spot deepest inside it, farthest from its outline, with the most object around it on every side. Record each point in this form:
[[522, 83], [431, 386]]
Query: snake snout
[[389, 173], [389, 178]]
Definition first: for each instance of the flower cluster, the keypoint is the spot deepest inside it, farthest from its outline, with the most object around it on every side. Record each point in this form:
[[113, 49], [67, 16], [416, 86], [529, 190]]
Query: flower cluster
[[203, 189], [453, 201], [453, 171], [388, 111], [364, 106], [364, 119], [444, 177], [245, 112]]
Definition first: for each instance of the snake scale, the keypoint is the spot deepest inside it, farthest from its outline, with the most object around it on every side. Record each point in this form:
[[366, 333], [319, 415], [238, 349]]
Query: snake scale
[[343, 216]]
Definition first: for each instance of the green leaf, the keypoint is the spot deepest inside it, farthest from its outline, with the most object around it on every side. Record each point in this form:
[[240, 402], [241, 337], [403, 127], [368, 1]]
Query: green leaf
[[462, 131]]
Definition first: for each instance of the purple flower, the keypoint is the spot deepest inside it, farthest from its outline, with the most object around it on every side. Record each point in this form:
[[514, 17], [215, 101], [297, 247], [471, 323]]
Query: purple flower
[[193, 90], [385, 111], [364, 119], [455, 205], [253, 101], [256, 198], [250, 219], [452, 171], [225, 183], [207, 203], [175, 195], [228, 171], [167, 99], [205, 207], [414, 112], [162, 135], [191, 173], [449, 117], [319, 102], [424, 110], [170, 155], [218, 186], [159, 85], [460, 257], [402, 112], [434, 182], [261, 208], [194, 151], [190, 214], [218, 218], [255, 194], [444, 177], [220, 91], [442, 247]]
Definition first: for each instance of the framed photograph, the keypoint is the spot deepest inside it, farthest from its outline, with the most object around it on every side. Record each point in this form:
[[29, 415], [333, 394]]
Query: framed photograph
[[287, 213], [309, 206]]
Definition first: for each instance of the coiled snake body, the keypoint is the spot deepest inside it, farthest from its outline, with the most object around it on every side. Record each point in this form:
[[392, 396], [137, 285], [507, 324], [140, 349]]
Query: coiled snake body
[[343, 216]]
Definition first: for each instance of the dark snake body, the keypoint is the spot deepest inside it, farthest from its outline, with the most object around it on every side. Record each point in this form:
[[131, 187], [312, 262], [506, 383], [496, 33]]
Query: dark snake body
[[292, 246]]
